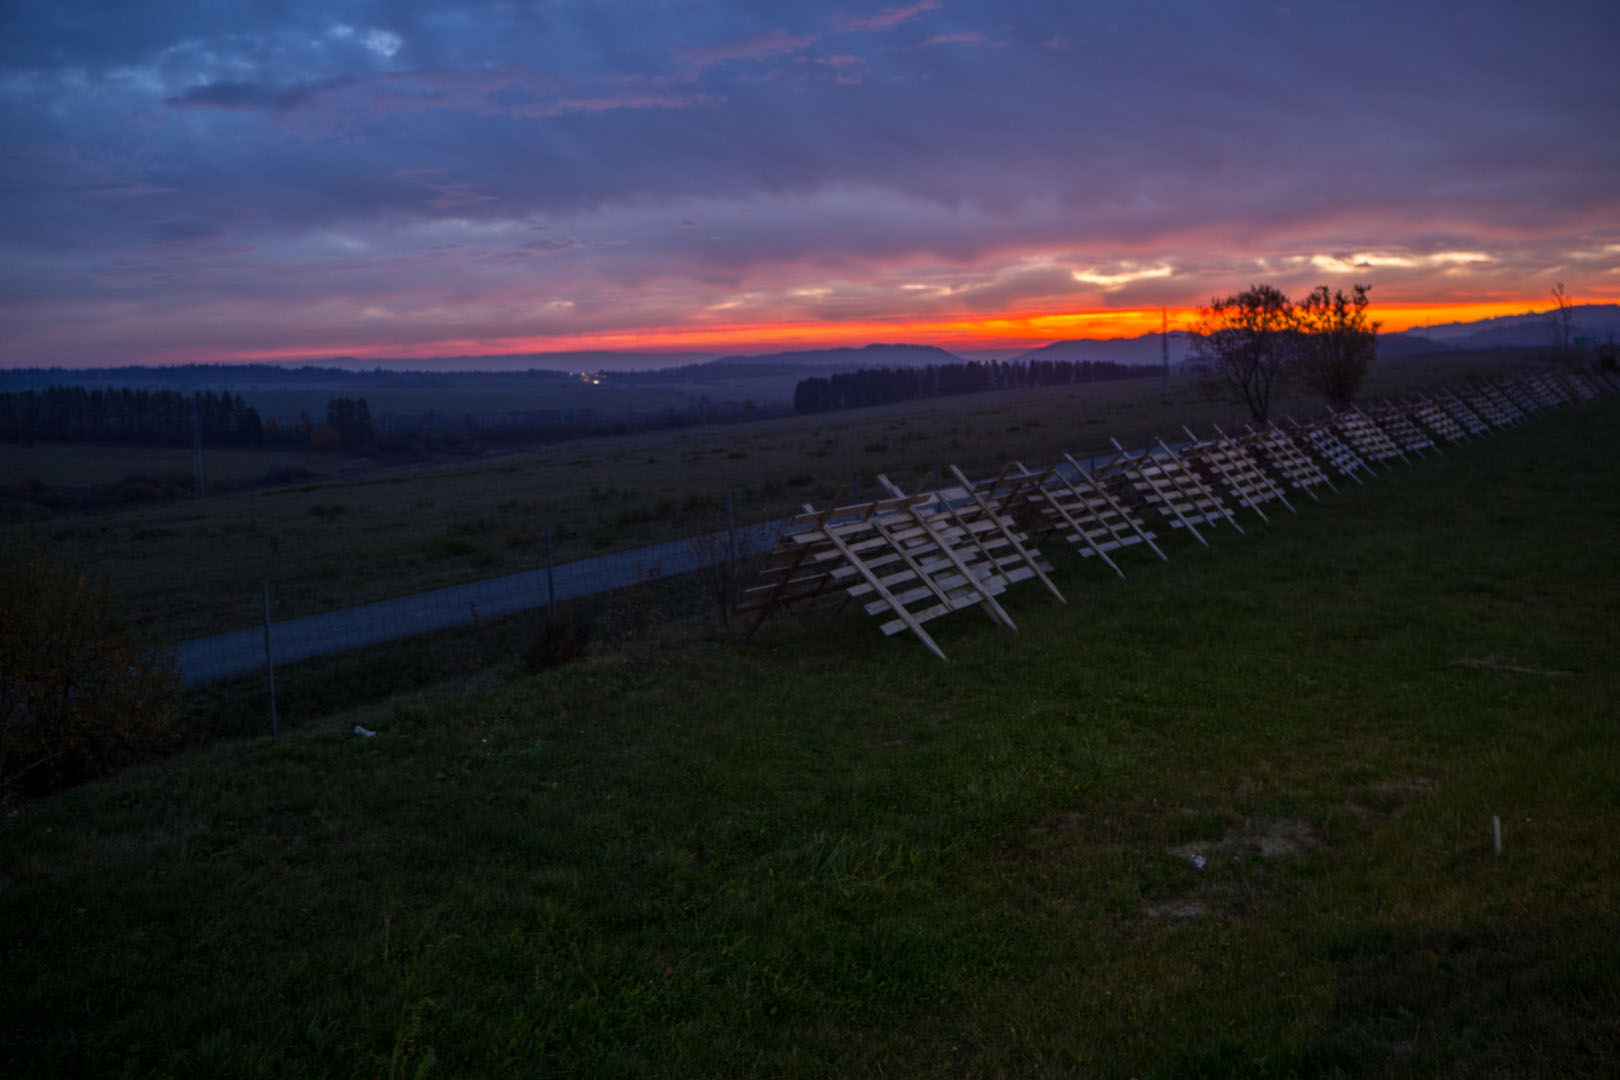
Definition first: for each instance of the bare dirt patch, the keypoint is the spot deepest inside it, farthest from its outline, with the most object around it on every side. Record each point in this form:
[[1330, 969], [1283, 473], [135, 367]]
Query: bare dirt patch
[[1269, 838], [1176, 909], [1497, 663]]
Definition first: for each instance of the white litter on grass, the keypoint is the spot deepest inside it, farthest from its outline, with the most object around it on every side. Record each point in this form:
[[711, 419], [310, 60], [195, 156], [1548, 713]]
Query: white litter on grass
[[1198, 861], [368, 733]]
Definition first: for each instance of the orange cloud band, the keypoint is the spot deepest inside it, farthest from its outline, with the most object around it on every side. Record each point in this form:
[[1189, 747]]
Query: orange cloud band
[[1012, 330]]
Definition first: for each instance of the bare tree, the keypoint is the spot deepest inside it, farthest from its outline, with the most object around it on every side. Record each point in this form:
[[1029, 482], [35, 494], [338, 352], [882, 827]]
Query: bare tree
[[1563, 317], [1338, 343], [1250, 340]]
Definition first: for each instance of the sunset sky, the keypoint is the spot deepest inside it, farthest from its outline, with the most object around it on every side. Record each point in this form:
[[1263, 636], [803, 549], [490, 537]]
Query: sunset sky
[[197, 181]]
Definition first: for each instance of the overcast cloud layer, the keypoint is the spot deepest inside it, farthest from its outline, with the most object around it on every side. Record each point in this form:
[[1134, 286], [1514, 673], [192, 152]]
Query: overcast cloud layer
[[196, 181]]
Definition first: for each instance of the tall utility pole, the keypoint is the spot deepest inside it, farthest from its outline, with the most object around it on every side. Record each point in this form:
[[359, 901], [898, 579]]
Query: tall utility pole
[[1164, 350]]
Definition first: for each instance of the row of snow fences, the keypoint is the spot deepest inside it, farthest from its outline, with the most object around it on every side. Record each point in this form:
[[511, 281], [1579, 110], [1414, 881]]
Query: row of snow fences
[[909, 558]]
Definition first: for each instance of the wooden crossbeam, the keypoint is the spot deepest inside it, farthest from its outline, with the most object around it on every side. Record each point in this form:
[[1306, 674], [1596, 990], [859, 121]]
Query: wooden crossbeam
[[1518, 393], [1603, 378], [1148, 484], [1488, 400], [949, 589], [1577, 383], [1429, 413], [1228, 463], [881, 587], [791, 573], [910, 558], [1165, 482], [1596, 380], [1396, 422], [1273, 448], [1545, 390], [993, 500], [1320, 441], [1488, 406], [1097, 520], [959, 543], [1460, 411], [1364, 437]]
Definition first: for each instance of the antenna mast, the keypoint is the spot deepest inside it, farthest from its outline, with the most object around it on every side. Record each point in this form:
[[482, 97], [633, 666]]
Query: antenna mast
[[1164, 349]]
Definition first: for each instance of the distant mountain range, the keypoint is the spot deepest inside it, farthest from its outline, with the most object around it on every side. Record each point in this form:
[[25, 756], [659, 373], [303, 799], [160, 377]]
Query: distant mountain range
[[847, 357], [1590, 323], [1594, 323], [1147, 349]]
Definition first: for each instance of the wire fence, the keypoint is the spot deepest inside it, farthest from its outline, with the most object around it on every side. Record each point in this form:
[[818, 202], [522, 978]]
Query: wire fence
[[240, 652], [221, 656]]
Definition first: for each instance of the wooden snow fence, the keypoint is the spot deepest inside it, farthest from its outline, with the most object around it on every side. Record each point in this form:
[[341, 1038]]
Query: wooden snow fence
[[1492, 405], [911, 558], [1463, 413], [1431, 416], [1225, 463], [1546, 391], [1282, 455], [1364, 437], [1521, 397], [1321, 442], [1087, 514], [1575, 384], [1395, 421], [1165, 483], [907, 559], [1588, 385]]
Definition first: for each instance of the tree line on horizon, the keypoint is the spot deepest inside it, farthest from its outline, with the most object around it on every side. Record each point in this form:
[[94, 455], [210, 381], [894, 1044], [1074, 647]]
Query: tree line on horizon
[[140, 417], [882, 386], [135, 417]]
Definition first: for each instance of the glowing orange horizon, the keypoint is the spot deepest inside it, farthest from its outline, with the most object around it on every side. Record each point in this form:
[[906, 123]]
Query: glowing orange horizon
[[1012, 330]]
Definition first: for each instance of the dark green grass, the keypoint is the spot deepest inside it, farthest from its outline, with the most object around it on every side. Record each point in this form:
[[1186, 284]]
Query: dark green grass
[[828, 854]]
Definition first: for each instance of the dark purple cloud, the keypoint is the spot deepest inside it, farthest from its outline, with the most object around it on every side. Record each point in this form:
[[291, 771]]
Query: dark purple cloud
[[658, 162]]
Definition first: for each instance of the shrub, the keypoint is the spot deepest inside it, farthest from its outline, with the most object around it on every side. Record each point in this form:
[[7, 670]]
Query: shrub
[[555, 643], [80, 695]]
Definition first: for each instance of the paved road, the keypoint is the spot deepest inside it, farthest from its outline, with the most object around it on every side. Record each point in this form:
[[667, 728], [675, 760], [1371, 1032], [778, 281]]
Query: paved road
[[221, 656]]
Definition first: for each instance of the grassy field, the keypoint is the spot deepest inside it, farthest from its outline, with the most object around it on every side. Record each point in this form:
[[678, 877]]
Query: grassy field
[[193, 567], [493, 395], [829, 854], [85, 466]]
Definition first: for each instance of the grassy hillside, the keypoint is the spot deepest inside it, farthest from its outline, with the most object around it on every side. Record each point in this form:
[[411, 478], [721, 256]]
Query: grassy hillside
[[828, 854], [193, 566]]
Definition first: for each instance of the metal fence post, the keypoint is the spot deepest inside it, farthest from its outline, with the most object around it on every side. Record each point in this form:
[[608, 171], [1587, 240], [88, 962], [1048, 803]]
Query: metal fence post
[[551, 584], [731, 557], [269, 664], [731, 530]]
